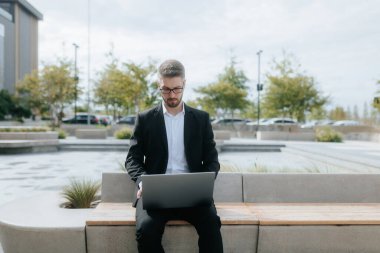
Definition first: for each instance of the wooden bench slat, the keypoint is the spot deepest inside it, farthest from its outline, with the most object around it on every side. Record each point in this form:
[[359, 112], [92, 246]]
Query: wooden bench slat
[[317, 213], [118, 214]]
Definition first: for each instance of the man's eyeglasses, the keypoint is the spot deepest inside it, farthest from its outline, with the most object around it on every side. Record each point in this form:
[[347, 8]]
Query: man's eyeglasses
[[175, 90]]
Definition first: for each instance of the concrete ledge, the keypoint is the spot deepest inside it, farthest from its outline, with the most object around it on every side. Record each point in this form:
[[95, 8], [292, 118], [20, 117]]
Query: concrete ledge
[[118, 187], [222, 135], [25, 146], [91, 133], [38, 224], [311, 188], [28, 136], [286, 136]]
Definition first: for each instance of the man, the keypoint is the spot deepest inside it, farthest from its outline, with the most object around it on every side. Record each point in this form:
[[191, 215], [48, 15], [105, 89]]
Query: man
[[173, 138]]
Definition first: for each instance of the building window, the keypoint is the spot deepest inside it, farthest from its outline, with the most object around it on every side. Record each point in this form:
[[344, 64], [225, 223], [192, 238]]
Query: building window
[[2, 56]]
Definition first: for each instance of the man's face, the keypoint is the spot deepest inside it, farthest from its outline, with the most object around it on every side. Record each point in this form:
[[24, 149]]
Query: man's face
[[172, 90]]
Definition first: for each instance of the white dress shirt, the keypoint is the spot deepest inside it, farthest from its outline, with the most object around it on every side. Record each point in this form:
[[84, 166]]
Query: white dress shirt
[[175, 135]]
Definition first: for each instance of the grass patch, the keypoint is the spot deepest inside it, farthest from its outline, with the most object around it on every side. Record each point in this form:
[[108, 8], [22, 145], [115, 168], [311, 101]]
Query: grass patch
[[327, 134], [61, 134], [80, 193], [23, 129], [124, 133]]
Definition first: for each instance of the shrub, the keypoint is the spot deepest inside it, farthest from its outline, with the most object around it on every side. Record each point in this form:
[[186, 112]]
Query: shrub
[[62, 134], [19, 129], [80, 193], [327, 134], [124, 133]]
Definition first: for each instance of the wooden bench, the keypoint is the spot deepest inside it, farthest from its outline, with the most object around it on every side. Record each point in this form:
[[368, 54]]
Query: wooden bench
[[318, 227], [265, 213]]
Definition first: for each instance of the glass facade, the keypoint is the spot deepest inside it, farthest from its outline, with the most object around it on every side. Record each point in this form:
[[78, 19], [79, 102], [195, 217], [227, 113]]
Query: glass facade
[[2, 56]]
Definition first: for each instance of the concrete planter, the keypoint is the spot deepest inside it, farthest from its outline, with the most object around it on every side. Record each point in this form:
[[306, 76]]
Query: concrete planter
[[28, 135], [91, 133], [286, 136], [38, 224]]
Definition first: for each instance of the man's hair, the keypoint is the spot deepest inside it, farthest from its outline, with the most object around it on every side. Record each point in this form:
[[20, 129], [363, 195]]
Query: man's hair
[[171, 68]]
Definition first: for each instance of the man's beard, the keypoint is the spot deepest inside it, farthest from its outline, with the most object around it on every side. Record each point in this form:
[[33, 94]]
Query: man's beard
[[173, 102]]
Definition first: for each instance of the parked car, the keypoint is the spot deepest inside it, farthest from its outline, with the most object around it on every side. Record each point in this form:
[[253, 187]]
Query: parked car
[[274, 121], [230, 121], [346, 123], [81, 118], [130, 120], [105, 119], [315, 123], [254, 123]]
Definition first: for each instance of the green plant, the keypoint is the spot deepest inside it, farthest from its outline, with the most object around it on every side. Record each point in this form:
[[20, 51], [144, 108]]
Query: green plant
[[62, 134], [327, 134], [17, 129], [124, 133], [80, 193]]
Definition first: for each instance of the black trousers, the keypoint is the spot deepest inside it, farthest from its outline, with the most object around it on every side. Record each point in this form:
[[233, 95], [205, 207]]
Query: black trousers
[[150, 226]]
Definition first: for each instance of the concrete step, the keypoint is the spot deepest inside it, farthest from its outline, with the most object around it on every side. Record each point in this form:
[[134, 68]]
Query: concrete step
[[252, 147]]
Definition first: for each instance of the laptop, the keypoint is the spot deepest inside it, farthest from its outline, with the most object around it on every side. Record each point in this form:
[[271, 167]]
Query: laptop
[[177, 190]]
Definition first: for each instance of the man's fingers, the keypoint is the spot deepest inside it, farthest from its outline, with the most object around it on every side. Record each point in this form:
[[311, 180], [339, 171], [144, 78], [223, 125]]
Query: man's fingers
[[139, 193]]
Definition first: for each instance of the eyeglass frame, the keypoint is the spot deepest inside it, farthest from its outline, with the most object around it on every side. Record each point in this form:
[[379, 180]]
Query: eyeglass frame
[[167, 91]]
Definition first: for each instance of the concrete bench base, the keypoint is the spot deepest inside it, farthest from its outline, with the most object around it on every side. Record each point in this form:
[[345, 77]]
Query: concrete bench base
[[321, 239], [39, 225], [177, 238]]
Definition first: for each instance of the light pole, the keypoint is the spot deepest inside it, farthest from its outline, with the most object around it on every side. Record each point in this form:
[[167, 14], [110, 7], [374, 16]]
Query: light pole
[[76, 81], [259, 88]]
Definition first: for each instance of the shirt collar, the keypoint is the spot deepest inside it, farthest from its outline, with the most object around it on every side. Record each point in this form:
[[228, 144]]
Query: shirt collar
[[165, 111]]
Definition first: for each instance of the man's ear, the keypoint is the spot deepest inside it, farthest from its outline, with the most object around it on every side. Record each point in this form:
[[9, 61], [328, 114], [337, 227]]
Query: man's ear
[[184, 83]]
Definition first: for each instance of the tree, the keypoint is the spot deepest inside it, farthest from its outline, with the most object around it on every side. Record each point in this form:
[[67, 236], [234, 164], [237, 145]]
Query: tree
[[10, 105], [53, 87], [145, 91], [233, 76], [376, 101], [111, 87], [290, 92], [5, 104], [228, 93], [356, 113], [338, 113], [128, 87]]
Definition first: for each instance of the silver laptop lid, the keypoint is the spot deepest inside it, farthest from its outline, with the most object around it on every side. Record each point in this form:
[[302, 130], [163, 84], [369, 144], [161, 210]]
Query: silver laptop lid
[[177, 190]]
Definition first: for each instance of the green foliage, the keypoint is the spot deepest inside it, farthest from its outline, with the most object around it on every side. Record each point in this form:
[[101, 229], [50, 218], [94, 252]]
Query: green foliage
[[62, 134], [124, 133], [338, 113], [51, 89], [125, 88], [327, 134], [228, 93], [376, 101], [20, 129], [80, 193], [5, 104], [290, 92], [10, 105], [233, 76]]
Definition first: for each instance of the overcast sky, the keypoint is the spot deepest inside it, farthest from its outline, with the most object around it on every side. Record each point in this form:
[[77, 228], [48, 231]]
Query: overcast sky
[[335, 41]]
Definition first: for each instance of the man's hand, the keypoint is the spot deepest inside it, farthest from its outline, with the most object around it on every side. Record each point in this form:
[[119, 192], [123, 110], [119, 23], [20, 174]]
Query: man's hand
[[139, 192]]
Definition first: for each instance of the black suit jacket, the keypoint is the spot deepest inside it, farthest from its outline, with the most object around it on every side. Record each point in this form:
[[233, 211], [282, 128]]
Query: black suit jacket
[[148, 152]]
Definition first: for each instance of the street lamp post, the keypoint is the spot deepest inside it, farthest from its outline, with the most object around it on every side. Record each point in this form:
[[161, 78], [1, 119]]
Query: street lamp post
[[259, 88], [76, 81]]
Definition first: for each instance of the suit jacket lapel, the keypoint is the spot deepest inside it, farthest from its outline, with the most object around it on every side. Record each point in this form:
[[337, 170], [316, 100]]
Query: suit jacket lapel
[[161, 129], [187, 129]]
